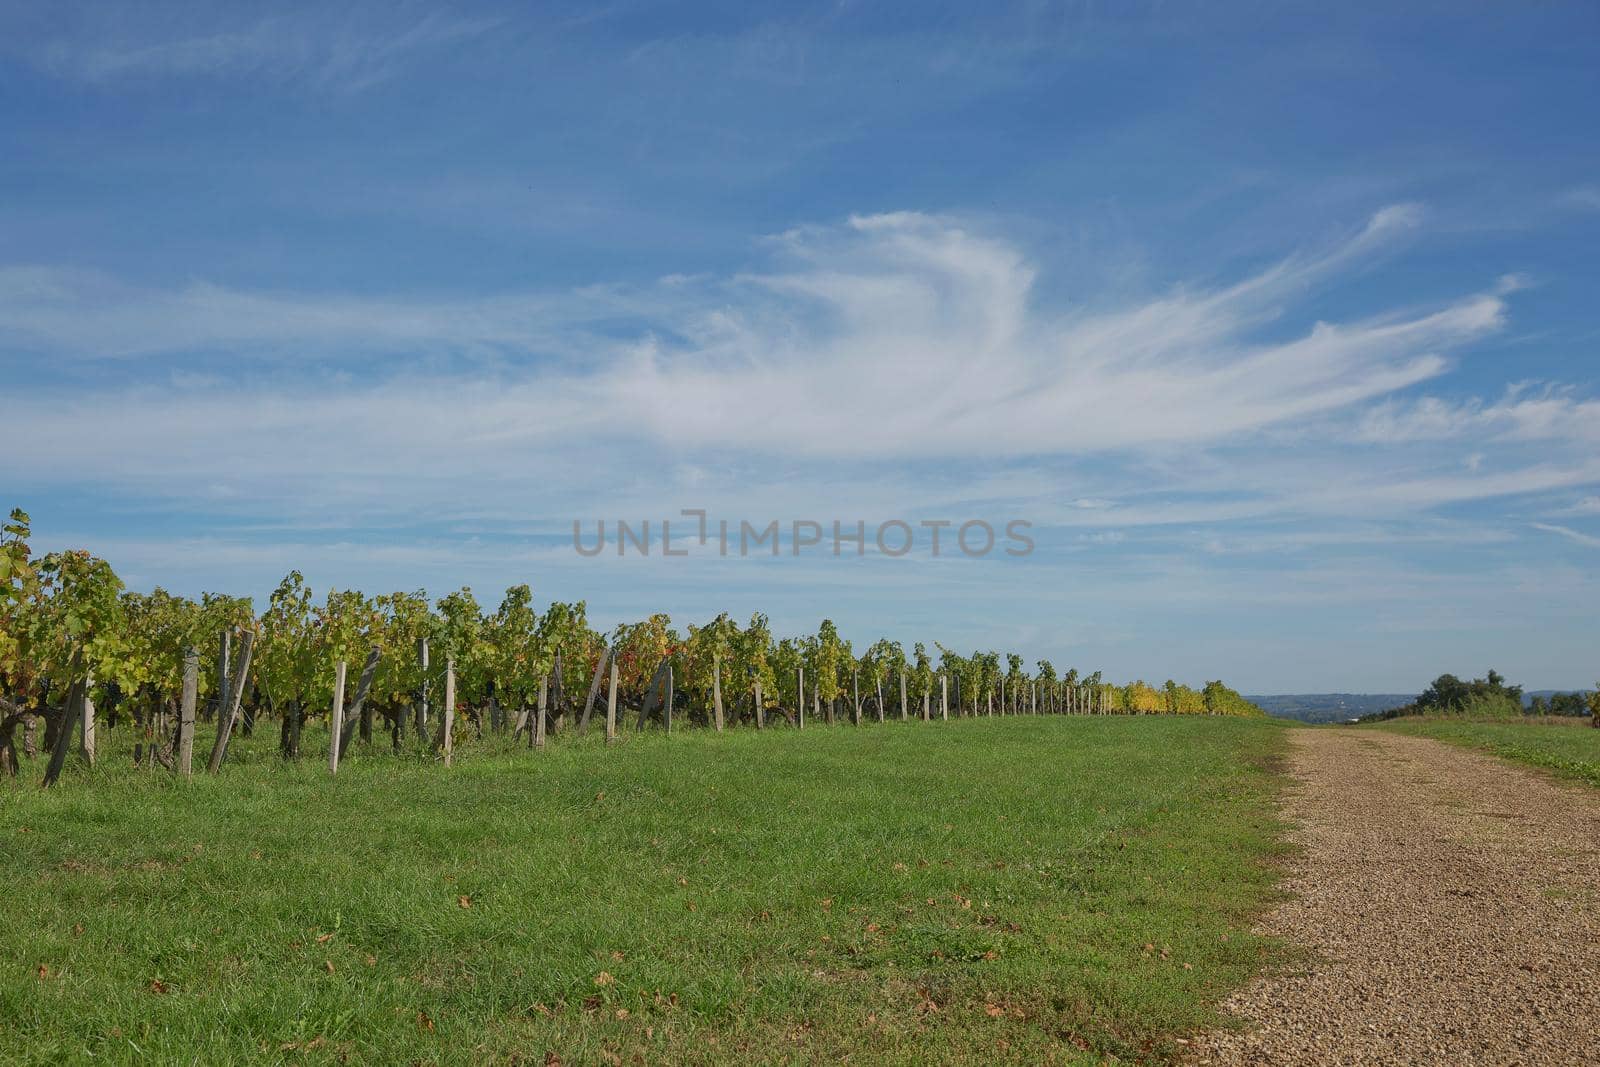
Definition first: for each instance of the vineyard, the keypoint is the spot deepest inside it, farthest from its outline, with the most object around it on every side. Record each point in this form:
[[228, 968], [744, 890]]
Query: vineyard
[[79, 653]]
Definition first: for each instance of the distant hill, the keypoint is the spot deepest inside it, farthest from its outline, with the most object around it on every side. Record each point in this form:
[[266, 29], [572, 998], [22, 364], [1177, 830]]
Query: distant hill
[[1328, 707]]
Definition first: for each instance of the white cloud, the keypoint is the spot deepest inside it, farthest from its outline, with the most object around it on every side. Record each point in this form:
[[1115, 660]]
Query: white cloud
[[1589, 505], [317, 48], [896, 336], [1583, 196], [1526, 412], [895, 365], [1569, 533]]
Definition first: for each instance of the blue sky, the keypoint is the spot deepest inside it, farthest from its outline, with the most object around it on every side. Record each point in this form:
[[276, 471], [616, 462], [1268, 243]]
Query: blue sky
[[1276, 321]]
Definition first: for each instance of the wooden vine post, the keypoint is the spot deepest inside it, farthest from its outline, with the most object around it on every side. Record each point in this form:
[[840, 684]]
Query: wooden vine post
[[70, 713], [223, 678], [902, 694], [944, 698], [336, 717], [800, 697], [447, 721], [716, 690], [358, 711], [422, 695], [558, 696], [230, 706], [362, 709], [594, 689], [86, 712], [761, 707], [186, 709], [536, 735], [611, 705], [666, 707]]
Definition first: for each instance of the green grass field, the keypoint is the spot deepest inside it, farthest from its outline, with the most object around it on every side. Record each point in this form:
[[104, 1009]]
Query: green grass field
[[1568, 747], [999, 890]]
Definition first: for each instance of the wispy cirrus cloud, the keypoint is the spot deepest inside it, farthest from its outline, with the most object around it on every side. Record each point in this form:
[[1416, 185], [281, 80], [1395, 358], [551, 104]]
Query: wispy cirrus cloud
[[1589, 505], [1575, 536], [888, 365], [322, 48], [897, 336], [1525, 412]]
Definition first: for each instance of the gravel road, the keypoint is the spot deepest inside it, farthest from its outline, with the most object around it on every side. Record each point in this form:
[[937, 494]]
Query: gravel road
[[1450, 907]]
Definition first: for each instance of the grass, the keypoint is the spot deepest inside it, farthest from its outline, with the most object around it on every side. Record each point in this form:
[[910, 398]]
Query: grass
[[1569, 748], [1028, 890]]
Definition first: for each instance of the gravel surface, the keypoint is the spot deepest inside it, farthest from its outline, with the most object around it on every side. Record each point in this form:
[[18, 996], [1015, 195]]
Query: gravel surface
[[1450, 906]]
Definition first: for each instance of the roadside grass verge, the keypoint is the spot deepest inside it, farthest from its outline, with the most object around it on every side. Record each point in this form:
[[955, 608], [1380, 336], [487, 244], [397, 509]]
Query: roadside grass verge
[[1569, 748], [1029, 890]]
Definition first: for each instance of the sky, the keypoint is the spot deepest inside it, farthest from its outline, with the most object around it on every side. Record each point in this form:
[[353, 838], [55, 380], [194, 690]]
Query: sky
[[1276, 322]]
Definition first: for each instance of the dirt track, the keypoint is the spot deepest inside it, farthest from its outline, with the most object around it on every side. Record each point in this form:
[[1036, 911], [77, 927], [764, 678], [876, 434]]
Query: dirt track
[[1450, 904]]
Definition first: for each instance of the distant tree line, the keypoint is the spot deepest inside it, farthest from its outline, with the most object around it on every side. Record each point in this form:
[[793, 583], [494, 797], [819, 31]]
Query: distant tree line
[[1490, 697], [1575, 705]]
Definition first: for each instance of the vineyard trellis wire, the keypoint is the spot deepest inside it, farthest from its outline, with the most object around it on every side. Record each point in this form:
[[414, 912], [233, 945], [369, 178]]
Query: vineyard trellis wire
[[77, 650]]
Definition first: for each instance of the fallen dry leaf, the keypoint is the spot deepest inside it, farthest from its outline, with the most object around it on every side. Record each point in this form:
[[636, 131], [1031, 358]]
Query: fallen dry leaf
[[323, 939], [329, 965], [993, 1011], [464, 902], [157, 986], [423, 1021], [604, 979]]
